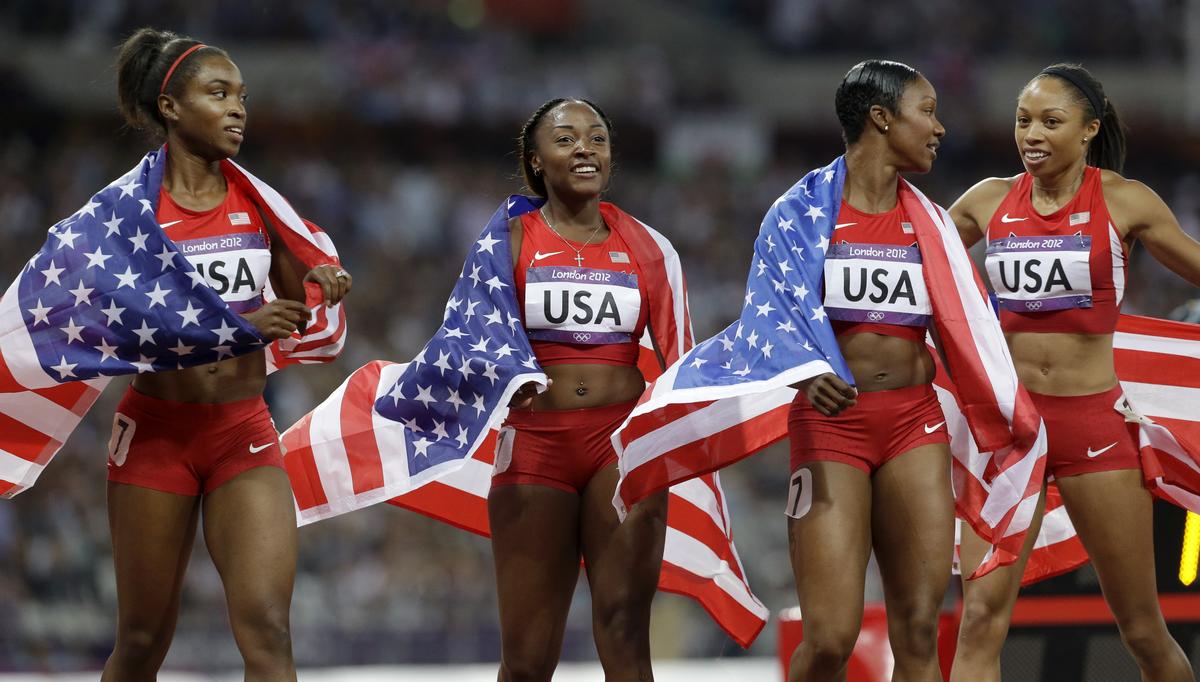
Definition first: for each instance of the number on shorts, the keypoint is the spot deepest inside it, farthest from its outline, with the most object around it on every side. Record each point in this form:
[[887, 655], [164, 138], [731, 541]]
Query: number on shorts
[[799, 494], [118, 445]]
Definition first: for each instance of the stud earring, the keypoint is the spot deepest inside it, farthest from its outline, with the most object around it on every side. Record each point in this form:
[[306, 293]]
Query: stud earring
[[885, 128], [1085, 140]]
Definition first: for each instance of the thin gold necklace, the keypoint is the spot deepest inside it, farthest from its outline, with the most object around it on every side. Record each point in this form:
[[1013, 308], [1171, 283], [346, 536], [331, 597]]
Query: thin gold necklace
[[579, 251]]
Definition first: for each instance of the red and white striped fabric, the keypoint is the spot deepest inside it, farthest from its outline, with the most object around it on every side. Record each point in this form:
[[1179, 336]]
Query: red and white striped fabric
[[345, 455], [1158, 365], [676, 433], [35, 423]]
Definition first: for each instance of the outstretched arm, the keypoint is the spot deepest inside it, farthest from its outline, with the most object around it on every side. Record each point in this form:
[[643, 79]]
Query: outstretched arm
[[1148, 218]]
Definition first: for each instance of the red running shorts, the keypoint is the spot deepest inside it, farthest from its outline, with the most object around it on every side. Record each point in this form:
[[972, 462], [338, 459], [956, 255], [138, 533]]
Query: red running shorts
[[189, 448], [1086, 434], [880, 427], [562, 449]]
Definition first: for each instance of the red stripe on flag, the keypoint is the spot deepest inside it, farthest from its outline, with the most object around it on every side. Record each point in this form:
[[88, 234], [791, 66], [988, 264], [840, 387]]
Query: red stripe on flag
[[693, 521], [24, 442], [643, 424], [1152, 326], [742, 625], [301, 466], [446, 503], [1157, 368], [358, 432]]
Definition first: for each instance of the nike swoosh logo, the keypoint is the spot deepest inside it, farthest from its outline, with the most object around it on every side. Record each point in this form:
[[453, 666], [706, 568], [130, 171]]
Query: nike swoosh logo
[[841, 225], [1101, 451], [935, 427], [1005, 219], [539, 255], [259, 448], [166, 225]]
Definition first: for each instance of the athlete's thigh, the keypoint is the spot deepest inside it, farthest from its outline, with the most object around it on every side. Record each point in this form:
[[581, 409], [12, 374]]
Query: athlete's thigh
[[997, 591], [535, 544], [621, 556], [830, 543], [1113, 514], [152, 535], [912, 525], [250, 531]]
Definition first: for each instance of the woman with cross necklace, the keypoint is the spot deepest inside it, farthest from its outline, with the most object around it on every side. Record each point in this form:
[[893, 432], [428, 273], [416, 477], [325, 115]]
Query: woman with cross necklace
[[591, 281]]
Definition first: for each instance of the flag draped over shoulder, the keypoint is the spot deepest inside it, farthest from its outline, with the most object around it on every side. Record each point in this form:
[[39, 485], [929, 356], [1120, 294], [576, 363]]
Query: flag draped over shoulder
[[729, 396], [110, 294], [421, 435], [1158, 365]]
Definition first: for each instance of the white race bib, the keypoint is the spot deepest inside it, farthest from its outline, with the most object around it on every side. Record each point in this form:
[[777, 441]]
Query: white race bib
[[881, 283], [236, 266], [1035, 274], [581, 305]]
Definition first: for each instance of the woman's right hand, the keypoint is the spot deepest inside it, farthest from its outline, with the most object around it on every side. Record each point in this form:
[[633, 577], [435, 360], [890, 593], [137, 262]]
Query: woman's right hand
[[278, 319], [828, 393], [523, 398]]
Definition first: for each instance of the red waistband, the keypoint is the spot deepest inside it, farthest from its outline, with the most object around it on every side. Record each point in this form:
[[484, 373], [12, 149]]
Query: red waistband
[[1109, 395]]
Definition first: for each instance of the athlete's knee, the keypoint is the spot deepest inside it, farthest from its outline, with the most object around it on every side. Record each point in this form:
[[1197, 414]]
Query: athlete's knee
[[914, 630], [529, 664], [829, 646], [264, 634], [983, 624], [139, 647], [1146, 637]]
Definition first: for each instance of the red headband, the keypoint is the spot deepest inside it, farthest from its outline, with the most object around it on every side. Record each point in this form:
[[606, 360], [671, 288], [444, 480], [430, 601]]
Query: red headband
[[178, 61]]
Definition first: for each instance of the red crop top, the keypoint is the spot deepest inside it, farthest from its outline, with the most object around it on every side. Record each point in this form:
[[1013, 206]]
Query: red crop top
[[588, 311], [1063, 272], [873, 276], [228, 245]]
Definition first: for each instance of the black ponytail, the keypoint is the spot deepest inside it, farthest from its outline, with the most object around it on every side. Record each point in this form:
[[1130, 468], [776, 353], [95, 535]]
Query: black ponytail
[[525, 145], [142, 62], [1107, 149]]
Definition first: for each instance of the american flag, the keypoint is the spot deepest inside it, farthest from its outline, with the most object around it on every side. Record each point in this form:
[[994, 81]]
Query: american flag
[[1158, 365], [421, 435], [110, 294], [729, 397]]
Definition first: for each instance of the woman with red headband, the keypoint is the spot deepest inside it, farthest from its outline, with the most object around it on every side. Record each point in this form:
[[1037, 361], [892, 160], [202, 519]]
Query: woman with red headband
[[1058, 239], [200, 440]]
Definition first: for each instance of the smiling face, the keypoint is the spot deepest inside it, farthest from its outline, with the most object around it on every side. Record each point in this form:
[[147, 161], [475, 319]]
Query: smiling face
[[571, 151], [1051, 127], [915, 133], [209, 117]]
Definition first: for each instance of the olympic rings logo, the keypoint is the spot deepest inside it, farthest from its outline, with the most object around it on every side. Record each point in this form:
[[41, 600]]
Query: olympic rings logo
[[582, 337], [875, 316], [1033, 305]]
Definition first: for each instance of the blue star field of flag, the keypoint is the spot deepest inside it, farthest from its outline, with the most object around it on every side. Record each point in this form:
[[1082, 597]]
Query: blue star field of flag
[[783, 324], [109, 293], [447, 396]]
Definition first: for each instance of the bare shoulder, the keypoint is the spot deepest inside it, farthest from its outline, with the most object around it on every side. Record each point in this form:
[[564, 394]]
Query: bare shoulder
[[972, 211], [1120, 188], [1131, 203], [988, 191]]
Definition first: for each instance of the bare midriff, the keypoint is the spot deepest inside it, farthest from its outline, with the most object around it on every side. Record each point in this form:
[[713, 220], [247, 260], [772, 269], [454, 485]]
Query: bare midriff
[[882, 363]]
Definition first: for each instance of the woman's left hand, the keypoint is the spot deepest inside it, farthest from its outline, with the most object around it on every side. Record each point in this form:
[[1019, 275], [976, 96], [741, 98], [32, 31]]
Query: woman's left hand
[[334, 280]]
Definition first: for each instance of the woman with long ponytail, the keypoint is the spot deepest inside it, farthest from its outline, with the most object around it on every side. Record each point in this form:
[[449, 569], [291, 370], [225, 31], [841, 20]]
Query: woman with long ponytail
[[1058, 237]]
